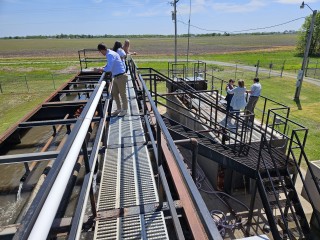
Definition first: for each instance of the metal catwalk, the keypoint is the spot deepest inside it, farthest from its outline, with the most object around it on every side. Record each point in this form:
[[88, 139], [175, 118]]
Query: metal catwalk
[[127, 181]]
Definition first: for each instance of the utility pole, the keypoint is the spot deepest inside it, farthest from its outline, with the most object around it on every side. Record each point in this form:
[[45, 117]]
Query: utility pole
[[174, 18], [306, 54]]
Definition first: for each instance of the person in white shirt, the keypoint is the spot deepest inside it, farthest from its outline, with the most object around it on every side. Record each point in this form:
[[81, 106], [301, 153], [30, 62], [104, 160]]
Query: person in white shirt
[[254, 97], [126, 48], [120, 78], [238, 101], [117, 47]]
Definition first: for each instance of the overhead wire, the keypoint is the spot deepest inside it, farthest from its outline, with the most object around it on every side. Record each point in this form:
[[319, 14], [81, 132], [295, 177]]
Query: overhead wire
[[245, 30]]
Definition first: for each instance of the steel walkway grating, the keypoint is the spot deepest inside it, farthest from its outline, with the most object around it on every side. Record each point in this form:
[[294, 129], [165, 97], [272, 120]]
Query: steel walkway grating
[[142, 226], [127, 180], [126, 131]]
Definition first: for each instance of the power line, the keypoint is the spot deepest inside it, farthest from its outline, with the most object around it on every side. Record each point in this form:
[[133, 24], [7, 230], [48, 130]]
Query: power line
[[246, 30]]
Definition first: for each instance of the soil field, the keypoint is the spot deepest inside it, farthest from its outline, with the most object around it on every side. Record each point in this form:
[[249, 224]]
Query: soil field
[[21, 48]]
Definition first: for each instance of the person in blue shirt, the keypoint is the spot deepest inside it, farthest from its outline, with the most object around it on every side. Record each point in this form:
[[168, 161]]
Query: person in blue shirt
[[120, 78]]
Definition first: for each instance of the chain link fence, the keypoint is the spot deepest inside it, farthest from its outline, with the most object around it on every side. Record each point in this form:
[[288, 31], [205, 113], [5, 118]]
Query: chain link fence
[[32, 82], [313, 69]]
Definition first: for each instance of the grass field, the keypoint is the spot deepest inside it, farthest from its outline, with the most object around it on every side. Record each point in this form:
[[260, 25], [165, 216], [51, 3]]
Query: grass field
[[30, 70]]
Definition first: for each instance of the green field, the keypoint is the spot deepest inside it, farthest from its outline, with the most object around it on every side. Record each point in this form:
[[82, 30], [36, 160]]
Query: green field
[[30, 70]]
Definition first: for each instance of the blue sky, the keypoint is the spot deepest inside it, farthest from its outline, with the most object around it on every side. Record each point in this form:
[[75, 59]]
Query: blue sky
[[51, 17]]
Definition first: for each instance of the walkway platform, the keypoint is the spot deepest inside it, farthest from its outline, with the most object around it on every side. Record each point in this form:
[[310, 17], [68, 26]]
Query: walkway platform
[[127, 182]]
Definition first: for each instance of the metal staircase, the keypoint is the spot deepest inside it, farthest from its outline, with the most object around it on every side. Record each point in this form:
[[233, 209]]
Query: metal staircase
[[281, 203], [282, 206]]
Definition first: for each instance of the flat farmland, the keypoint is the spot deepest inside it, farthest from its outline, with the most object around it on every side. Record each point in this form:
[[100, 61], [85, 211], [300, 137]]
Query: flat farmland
[[48, 63], [148, 46]]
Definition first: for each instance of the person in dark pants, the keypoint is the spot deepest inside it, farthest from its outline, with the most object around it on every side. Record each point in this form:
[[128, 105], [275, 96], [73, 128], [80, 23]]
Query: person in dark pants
[[229, 96], [254, 92]]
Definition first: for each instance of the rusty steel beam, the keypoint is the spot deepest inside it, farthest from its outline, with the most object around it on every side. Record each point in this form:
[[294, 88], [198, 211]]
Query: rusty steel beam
[[193, 218]]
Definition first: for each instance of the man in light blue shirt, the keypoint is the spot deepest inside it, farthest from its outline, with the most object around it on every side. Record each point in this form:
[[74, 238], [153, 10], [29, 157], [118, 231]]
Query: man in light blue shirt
[[254, 97], [120, 78]]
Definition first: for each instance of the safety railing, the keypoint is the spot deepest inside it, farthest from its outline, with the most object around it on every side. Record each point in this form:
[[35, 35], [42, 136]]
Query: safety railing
[[262, 112], [163, 138], [295, 141], [205, 107], [38, 220], [89, 55]]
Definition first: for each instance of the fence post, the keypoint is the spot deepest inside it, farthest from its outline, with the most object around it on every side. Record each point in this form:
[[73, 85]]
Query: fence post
[[257, 68], [54, 85], [270, 68], [282, 67], [25, 78], [212, 78], [235, 74]]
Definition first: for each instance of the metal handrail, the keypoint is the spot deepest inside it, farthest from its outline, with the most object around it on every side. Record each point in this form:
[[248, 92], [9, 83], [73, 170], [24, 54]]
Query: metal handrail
[[281, 106], [38, 219], [86, 189], [210, 101]]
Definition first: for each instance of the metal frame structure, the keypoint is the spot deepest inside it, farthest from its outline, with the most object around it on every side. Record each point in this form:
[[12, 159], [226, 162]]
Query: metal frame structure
[[278, 168], [163, 147], [277, 126]]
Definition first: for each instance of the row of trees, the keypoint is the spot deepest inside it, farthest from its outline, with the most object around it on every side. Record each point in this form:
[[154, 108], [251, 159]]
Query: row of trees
[[75, 36]]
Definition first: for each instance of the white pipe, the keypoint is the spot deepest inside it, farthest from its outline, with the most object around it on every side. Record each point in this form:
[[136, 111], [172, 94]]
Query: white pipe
[[44, 221]]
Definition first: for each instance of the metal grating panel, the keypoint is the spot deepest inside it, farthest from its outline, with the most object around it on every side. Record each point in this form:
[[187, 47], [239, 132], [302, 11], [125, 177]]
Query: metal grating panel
[[127, 178], [143, 226], [125, 131]]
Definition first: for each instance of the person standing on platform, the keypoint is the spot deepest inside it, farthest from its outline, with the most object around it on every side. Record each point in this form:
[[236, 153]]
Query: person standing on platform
[[120, 78], [126, 48], [117, 47], [229, 96], [255, 93], [238, 101]]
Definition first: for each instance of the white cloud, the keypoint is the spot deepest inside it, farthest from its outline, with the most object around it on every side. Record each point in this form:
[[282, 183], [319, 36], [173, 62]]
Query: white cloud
[[122, 13], [196, 7], [160, 9], [250, 6], [293, 1]]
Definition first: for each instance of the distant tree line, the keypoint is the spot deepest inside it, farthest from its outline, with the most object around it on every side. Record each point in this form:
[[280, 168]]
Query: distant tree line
[[75, 36]]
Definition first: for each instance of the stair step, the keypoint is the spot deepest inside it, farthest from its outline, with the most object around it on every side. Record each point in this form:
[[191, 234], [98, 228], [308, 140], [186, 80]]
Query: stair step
[[282, 203], [294, 233], [277, 190]]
